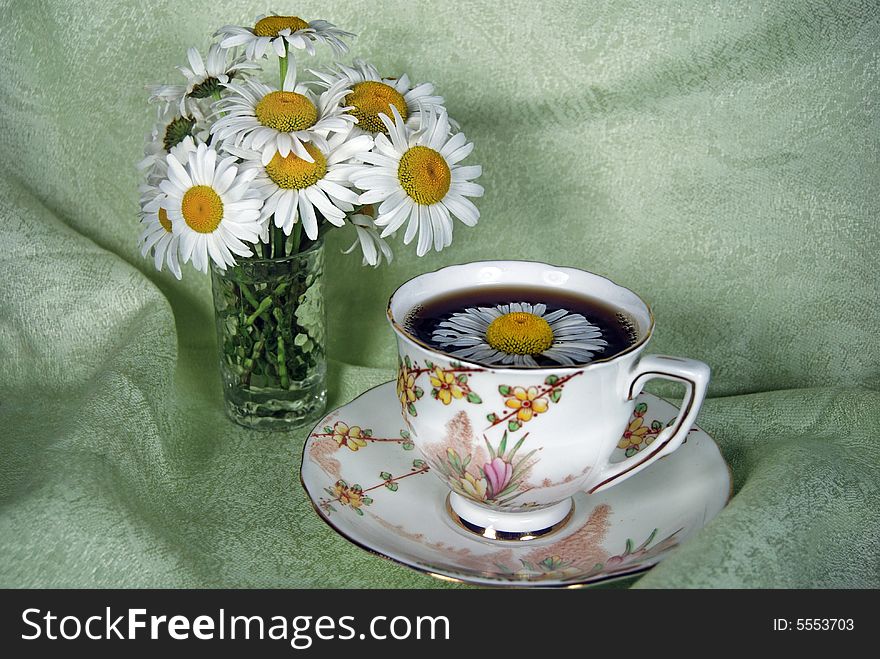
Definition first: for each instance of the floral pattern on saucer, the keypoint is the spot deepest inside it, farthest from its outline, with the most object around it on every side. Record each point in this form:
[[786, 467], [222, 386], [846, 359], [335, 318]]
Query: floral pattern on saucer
[[366, 483]]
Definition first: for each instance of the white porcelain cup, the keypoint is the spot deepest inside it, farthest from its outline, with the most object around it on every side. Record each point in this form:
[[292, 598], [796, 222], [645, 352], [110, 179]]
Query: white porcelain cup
[[512, 472]]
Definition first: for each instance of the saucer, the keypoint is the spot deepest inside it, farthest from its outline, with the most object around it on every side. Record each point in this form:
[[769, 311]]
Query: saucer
[[368, 483]]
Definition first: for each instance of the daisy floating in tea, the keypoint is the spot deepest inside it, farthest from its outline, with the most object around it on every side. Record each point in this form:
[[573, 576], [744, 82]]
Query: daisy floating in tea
[[518, 334]]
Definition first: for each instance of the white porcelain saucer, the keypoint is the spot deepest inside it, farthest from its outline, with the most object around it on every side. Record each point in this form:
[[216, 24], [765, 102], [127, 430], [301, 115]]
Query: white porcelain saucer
[[369, 484]]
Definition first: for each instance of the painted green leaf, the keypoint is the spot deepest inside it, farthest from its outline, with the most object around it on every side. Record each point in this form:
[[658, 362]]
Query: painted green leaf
[[367, 501], [551, 380], [489, 446], [429, 364], [461, 378], [408, 446], [391, 486], [473, 398], [504, 390], [359, 511], [368, 432], [641, 408], [419, 392], [502, 446], [385, 476], [631, 451], [412, 410], [513, 426], [492, 417], [556, 395], [407, 361], [515, 448], [656, 425], [404, 434], [328, 429], [418, 464]]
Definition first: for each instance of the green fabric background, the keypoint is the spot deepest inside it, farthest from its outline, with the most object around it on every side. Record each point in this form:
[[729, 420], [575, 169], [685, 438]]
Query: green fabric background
[[719, 158]]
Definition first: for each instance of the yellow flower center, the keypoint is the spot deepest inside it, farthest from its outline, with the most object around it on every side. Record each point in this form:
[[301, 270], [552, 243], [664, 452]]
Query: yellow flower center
[[369, 99], [270, 26], [286, 111], [424, 175], [520, 333], [294, 173], [202, 209], [164, 221]]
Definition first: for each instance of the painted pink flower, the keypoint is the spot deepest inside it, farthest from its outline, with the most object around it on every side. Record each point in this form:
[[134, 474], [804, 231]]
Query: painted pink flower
[[498, 473]]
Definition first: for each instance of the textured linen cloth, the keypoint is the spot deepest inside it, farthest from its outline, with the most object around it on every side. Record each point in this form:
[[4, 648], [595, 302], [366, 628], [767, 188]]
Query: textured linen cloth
[[722, 159]]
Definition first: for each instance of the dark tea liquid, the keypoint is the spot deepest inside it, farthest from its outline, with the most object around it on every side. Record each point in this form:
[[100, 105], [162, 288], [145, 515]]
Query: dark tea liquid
[[617, 327]]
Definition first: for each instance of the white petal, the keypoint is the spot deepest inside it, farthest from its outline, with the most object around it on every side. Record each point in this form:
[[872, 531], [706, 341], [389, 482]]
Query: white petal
[[307, 217]]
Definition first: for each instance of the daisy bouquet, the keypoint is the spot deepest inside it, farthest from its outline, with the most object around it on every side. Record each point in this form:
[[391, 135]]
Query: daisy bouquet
[[254, 158]]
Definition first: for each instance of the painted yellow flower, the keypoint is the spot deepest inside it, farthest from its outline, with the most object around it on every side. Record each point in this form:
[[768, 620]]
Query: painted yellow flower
[[526, 402], [475, 488], [348, 496], [634, 434], [350, 437], [446, 386], [406, 386]]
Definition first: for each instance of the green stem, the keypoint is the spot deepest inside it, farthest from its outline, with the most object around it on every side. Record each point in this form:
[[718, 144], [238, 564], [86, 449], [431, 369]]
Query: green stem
[[216, 95], [297, 237], [248, 295], [261, 308], [250, 361], [278, 239], [282, 365]]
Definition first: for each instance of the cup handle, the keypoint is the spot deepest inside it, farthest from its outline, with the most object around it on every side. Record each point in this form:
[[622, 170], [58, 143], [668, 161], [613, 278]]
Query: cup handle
[[694, 375]]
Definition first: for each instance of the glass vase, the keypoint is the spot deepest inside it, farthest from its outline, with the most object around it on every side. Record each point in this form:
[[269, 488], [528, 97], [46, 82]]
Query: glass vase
[[271, 339]]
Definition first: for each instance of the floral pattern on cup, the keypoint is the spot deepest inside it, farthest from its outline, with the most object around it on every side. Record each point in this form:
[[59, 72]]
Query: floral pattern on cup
[[638, 434], [448, 384], [499, 480], [522, 404]]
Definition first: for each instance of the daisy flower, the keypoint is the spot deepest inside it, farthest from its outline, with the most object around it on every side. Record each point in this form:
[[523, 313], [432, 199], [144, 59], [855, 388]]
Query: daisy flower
[[415, 177], [372, 95], [204, 78], [211, 207], [281, 32], [169, 132], [517, 333], [263, 119], [296, 189], [157, 234], [373, 246]]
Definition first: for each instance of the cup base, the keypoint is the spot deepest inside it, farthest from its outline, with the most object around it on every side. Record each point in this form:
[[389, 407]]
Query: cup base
[[515, 527]]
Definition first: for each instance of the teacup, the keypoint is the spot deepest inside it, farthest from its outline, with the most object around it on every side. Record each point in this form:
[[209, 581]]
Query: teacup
[[512, 475]]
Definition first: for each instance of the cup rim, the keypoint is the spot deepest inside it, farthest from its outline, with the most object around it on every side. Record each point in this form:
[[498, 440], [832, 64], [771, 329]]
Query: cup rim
[[401, 332]]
